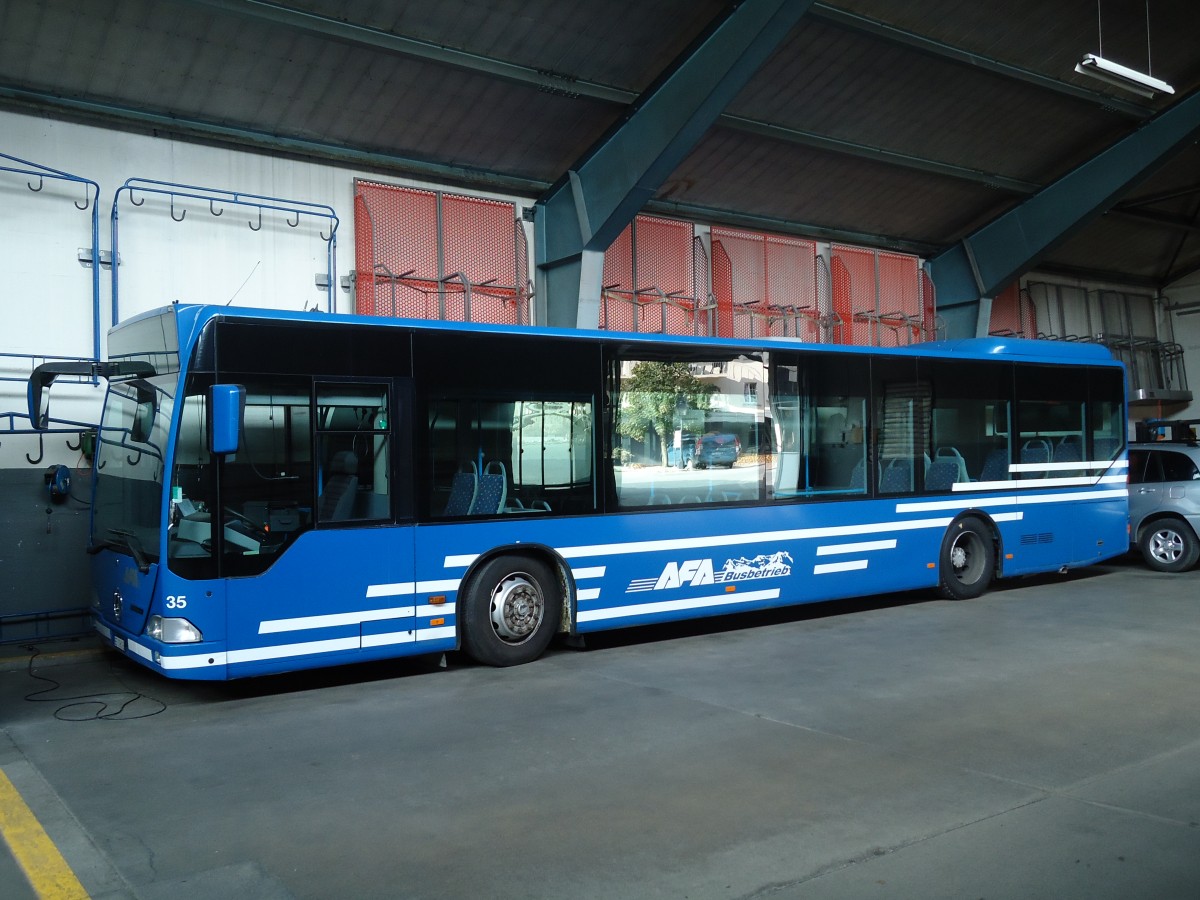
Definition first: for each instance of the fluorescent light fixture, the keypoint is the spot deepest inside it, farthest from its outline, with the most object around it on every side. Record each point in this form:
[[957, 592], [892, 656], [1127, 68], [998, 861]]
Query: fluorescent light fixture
[[1122, 76]]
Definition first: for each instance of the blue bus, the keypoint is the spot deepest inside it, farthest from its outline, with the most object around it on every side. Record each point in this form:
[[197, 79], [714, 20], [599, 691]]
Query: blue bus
[[278, 491]]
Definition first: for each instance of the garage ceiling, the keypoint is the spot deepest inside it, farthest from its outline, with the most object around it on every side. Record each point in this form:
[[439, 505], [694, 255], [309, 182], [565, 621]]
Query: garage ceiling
[[901, 125]]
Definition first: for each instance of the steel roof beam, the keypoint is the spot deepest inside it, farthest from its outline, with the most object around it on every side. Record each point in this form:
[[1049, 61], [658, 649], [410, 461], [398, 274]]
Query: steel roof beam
[[99, 111], [863, 25], [1013, 243], [367, 36], [94, 111], [590, 205], [564, 85]]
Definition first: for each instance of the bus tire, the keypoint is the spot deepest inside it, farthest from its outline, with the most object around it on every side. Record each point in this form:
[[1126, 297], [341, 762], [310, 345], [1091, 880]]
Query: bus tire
[[1169, 545], [967, 560], [512, 610]]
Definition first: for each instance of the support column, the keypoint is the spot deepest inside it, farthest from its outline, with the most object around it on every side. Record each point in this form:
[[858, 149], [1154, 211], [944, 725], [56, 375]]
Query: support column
[[589, 206]]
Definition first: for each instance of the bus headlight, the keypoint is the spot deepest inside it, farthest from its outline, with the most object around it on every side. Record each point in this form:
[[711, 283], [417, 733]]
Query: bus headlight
[[172, 631]]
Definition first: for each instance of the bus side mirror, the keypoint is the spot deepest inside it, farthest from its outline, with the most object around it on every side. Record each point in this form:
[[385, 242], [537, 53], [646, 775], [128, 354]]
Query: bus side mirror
[[226, 417], [143, 416], [41, 378]]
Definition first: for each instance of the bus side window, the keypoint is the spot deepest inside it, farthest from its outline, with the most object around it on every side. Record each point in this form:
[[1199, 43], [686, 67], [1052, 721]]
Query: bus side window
[[353, 443]]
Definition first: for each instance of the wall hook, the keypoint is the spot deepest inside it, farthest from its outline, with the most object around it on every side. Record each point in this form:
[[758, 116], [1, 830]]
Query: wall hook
[[41, 452], [182, 215], [133, 462], [134, 200], [41, 184], [213, 209], [87, 198], [297, 222], [326, 238], [75, 447], [257, 227]]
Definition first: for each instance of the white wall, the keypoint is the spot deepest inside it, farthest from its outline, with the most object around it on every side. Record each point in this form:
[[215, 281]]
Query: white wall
[[47, 294], [1186, 328]]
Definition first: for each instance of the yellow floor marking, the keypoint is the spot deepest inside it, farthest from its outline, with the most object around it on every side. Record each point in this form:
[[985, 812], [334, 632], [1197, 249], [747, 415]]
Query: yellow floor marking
[[48, 873]]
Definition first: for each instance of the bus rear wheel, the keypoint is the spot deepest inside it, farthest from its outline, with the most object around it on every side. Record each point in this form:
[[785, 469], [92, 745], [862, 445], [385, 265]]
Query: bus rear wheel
[[513, 607], [968, 559]]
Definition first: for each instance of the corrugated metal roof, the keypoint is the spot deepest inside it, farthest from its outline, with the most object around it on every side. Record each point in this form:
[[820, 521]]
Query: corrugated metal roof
[[905, 123]]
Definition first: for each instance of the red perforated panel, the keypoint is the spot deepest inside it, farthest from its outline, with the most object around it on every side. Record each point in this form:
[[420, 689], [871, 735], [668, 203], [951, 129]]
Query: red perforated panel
[[929, 323], [859, 264], [430, 255], [771, 283], [616, 307], [722, 286], [651, 279], [880, 296], [1013, 313], [900, 311]]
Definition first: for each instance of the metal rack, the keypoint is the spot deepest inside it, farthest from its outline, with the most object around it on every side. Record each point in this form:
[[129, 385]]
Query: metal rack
[[9, 421], [294, 209], [42, 174]]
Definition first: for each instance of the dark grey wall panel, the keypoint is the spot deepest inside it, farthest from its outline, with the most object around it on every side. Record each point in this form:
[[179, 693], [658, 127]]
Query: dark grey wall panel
[[44, 590]]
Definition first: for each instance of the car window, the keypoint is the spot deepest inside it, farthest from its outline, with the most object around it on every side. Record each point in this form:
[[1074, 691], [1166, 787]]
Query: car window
[[1138, 460], [1177, 466]]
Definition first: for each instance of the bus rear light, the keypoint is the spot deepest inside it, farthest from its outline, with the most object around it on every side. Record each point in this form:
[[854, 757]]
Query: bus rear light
[[173, 631]]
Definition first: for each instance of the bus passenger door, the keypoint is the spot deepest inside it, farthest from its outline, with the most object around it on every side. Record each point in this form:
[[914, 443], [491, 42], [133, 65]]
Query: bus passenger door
[[326, 576]]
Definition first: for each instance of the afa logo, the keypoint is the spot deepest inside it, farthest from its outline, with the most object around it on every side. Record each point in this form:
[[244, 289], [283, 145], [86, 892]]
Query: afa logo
[[697, 572]]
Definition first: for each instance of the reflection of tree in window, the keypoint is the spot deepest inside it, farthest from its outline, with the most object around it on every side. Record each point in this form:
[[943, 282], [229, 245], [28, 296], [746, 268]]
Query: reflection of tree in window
[[655, 397]]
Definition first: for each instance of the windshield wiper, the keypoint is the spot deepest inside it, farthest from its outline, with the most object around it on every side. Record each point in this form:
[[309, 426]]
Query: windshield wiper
[[134, 543]]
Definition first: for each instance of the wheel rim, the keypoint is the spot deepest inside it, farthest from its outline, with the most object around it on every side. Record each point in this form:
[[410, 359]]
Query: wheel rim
[[1166, 545], [967, 557], [516, 608]]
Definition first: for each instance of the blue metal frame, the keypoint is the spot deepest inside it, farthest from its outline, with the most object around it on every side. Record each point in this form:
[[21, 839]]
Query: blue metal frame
[[53, 425], [42, 172], [214, 196]]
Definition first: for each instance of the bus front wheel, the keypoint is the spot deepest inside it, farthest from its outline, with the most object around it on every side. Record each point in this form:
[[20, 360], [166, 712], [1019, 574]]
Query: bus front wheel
[[513, 607], [968, 559]]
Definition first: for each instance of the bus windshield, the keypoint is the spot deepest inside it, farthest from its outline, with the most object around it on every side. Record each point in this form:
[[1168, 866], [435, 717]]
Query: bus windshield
[[127, 505]]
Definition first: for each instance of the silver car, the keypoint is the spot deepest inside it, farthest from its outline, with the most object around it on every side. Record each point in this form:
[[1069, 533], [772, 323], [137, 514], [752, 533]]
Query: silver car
[[1164, 504]]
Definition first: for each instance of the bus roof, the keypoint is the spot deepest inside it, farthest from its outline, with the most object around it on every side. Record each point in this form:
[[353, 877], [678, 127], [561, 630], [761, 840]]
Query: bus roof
[[193, 316]]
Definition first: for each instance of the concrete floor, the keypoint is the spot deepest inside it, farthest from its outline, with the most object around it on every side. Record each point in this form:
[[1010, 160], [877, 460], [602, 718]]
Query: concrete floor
[[1043, 741]]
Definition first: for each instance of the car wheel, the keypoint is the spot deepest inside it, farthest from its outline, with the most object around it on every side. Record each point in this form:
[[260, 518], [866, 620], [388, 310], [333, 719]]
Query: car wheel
[[1169, 545]]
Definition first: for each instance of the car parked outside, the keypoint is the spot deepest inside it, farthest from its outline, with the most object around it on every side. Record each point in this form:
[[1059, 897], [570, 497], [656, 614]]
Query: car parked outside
[[717, 450], [1164, 504]]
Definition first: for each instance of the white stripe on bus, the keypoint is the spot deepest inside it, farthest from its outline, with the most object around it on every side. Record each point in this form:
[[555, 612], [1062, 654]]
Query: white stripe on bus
[[647, 609], [404, 588], [860, 547], [1068, 466], [301, 623], [1015, 500], [757, 537], [283, 651], [1035, 483], [851, 565]]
